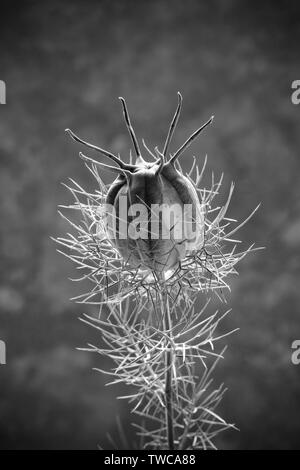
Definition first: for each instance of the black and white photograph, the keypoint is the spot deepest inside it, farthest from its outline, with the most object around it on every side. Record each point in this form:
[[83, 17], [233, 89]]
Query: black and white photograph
[[150, 227]]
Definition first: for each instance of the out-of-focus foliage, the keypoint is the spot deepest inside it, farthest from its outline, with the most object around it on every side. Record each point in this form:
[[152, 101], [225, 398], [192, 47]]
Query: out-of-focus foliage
[[65, 64]]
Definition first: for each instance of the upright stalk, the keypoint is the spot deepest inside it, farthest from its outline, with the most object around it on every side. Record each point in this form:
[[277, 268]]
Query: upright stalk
[[169, 369]]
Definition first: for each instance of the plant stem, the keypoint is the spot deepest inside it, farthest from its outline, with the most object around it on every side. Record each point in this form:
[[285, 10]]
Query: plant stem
[[169, 373]]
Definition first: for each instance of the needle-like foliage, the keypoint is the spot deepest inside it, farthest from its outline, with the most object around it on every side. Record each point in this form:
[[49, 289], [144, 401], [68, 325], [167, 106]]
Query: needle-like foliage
[[162, 346]]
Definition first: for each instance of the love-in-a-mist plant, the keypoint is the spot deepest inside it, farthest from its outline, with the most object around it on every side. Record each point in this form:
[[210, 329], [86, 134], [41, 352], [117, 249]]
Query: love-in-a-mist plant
[[153, 247]]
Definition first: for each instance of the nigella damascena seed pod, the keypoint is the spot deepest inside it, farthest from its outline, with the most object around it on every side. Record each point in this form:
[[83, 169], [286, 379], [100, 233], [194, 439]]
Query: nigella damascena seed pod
[[153, 212]]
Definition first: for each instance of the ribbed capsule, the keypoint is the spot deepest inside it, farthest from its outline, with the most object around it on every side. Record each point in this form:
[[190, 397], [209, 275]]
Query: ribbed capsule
[[153, 213]]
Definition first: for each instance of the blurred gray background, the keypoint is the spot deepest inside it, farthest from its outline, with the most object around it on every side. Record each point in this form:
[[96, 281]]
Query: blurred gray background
[[65, 64]]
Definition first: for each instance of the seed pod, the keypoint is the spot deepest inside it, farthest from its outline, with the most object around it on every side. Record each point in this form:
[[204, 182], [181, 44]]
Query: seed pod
[[170, 219]]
